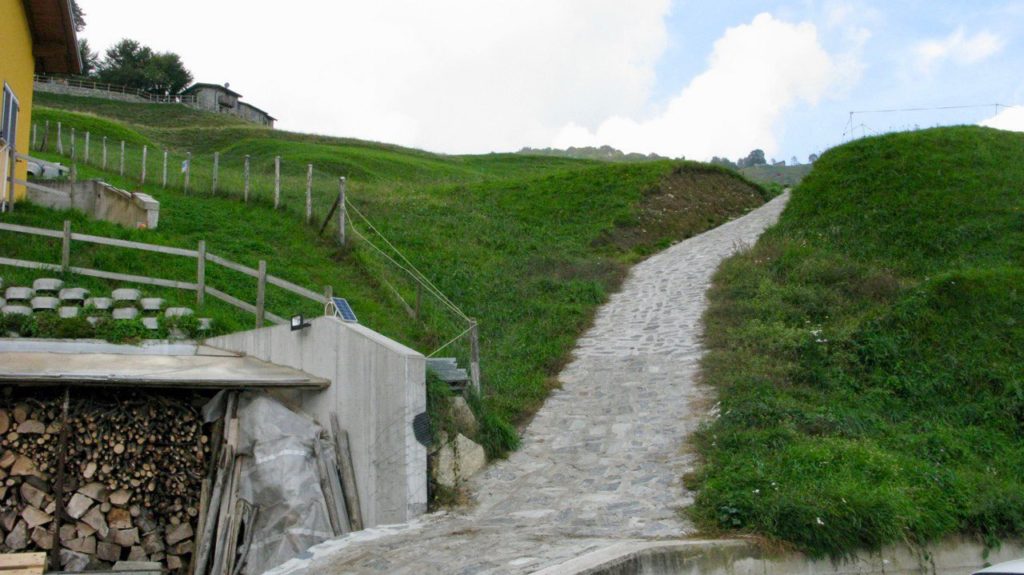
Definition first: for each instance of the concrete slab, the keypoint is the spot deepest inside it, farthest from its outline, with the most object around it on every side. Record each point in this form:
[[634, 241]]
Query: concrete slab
[[54, 362]]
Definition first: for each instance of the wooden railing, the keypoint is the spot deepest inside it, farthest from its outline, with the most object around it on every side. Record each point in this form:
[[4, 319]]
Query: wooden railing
[[199, 286]]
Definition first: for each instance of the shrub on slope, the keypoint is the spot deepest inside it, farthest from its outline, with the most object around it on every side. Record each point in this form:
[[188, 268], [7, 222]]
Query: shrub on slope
[[869, 352]]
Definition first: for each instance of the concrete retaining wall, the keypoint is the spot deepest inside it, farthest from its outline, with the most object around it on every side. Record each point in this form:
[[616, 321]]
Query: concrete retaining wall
[[954, 556], [99, 200], [377, 387], [55, 87]]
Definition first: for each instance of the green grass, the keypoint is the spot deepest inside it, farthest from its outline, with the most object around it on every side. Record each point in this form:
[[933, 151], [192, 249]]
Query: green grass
[[869, 352], [529, 246]]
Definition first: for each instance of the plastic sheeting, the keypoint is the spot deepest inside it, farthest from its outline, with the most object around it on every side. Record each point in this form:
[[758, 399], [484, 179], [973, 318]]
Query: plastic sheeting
[[281, 479]]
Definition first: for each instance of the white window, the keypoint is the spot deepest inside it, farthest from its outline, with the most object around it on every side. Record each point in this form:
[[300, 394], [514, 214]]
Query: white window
[[9, 117]]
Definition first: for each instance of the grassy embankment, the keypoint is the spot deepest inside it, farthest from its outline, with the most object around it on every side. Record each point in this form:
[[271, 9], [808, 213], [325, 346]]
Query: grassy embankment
[[869, 352], [529, 246]]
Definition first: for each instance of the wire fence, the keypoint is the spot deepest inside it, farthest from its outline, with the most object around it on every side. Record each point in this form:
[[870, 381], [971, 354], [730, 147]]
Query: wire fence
[[315, 196]]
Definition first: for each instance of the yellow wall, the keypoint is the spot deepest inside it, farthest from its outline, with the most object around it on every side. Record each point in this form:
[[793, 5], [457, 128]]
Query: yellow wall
[[16, 68]]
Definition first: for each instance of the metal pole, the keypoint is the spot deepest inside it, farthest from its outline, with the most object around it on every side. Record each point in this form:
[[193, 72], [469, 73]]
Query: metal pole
[[164, 184], [85, 156], [60, 143], [277, 181], [309, 193], [341, 210], [104, 153], [145, 153], [73, 149], [216, 170], [122, 158], [35, 132], [245, 188], [188, 169]]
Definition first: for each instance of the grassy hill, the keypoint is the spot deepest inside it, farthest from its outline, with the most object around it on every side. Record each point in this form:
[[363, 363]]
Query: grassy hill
[[529, 246], [785, 176], [869, 352]]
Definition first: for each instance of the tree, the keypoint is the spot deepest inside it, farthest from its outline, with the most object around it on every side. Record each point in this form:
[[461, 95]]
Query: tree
[[90, 59], [754, 158], [131, 64], [812, 158], [78, 15]]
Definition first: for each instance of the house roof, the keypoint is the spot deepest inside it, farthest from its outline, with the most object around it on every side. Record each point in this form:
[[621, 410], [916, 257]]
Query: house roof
[[159, 365], [54, 42], [264, 112], [200, 85]]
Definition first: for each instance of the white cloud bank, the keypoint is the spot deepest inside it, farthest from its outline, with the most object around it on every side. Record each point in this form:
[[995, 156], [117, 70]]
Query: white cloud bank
[[958, 47], [755, 74], [1011, 119]]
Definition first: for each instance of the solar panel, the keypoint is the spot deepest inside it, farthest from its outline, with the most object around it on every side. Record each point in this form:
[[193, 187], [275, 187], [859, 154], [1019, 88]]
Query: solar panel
[[343, 310]]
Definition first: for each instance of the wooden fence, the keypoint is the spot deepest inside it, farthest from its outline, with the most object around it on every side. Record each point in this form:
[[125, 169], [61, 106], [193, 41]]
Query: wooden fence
[[115, 89], [199, 286]]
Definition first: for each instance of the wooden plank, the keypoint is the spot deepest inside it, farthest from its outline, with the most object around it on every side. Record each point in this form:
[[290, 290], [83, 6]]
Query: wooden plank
[[347, 474], [134, 245], [29, 265], [244, 306], [65, 248], [231, 265], [201, 273], [23, 571], [22, 560], [31, 231], [133, 279], [296, 289]]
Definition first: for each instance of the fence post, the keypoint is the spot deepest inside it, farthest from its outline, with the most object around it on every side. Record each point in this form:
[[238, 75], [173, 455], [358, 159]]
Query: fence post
[[121, 170], [104, 153], [245, 187], [277, 181], [419, 298], [145, 153], [201, 273], [341, 210], [261, 293], [73, 150], [309, 193], [85, 156], [474, 356], [329, 293], [188, 170], [35, 133], [46, 136], [65, 248], [216, 170], [60, 142], [164, 183]]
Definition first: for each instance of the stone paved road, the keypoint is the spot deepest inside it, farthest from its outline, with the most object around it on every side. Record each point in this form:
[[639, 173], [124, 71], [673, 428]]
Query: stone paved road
[[603, 459]]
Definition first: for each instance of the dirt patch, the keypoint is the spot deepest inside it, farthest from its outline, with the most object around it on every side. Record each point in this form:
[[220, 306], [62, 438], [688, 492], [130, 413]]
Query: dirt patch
[[685, 203]]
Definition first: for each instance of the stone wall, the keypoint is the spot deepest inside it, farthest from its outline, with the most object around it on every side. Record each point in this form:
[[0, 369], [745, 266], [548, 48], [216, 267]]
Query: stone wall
[[56, 87]]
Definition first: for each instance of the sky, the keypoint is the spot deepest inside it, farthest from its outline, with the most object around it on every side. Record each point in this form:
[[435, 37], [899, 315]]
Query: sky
[[680, 78]]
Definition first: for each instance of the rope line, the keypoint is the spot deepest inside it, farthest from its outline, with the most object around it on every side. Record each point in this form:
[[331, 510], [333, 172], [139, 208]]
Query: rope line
[[453, 340]]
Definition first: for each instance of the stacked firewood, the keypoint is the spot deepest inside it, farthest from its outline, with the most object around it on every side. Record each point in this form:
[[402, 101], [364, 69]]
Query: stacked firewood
[[130, 482]]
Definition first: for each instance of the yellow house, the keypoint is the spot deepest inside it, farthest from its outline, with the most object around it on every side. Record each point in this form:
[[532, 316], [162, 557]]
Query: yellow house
[[35, 36]]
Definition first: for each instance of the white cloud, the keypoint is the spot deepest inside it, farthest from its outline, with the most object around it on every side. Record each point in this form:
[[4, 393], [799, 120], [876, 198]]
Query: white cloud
[[1008, 119], [448, 75], [755, 74], [958, 47]]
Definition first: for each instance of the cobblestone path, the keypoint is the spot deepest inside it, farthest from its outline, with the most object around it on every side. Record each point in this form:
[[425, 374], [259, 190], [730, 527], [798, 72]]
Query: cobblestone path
[[602, 461]]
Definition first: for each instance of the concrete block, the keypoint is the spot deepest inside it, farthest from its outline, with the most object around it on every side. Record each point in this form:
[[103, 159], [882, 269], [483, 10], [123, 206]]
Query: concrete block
[[99, 303], [125, 295], [150, 323], [19, 294], [458, 460], [45, 303], [16, 310], [151, 304], [177, 312], [49, 285], [69, 311], [205, 323], [73, 294], [126, 313]]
